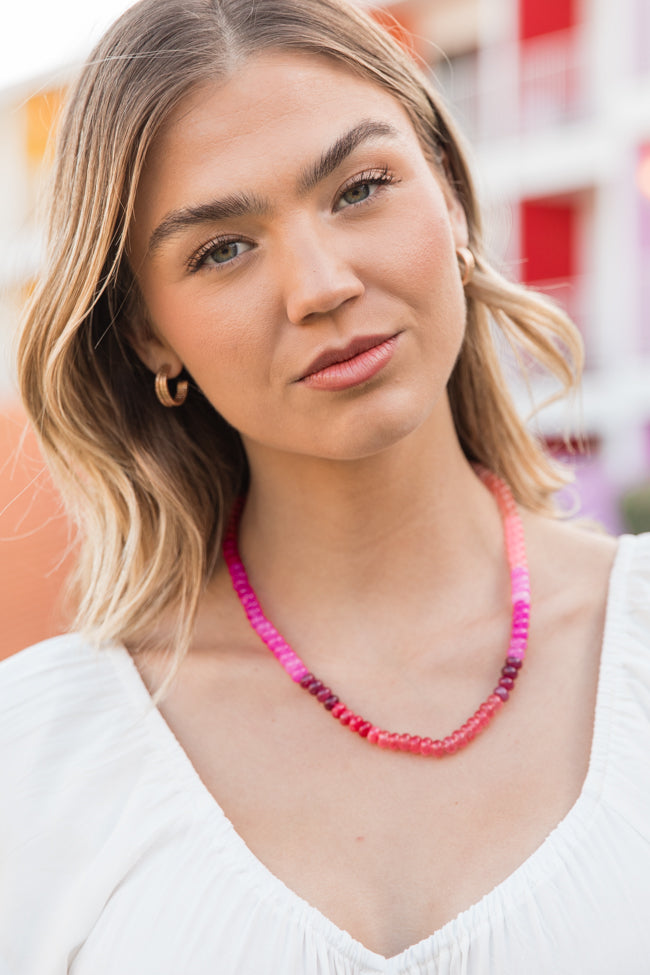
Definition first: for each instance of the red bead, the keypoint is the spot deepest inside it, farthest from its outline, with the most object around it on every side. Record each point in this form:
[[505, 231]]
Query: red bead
[[373, 736], [338, 709], [438, 748], [345, 716], [393, 741], [364, 728], [426, 746], [404, 743], [502, 693], [414, 745], [355, 722], [383, 739], [449, 745], [507, 682]]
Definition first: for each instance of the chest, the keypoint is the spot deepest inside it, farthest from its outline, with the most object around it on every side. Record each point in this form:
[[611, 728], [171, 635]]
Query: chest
[[386, 845]]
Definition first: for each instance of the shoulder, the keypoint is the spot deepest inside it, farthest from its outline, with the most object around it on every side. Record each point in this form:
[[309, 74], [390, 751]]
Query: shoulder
[[77, 767], [44, 682], [65, 705]]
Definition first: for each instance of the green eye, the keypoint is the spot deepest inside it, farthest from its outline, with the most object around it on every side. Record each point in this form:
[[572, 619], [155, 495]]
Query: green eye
[[225, 253], [356, 194]]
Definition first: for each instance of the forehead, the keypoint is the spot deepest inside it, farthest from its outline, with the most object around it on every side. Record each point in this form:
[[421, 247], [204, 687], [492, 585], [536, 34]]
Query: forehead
[[276, 110]]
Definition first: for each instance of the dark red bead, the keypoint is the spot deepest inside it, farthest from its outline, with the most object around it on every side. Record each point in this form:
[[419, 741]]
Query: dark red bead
[[307, 679], [514, 662], [509, 671], [323, 695], [331, 701], [315, 687], [507, 682], [502, 693]]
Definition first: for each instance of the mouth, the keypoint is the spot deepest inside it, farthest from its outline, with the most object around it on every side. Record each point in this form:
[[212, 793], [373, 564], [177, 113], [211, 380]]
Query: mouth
[[355, 363]]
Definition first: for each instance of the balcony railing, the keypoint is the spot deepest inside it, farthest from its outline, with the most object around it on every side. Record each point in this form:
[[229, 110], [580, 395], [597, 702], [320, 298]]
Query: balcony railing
[[511, 89]]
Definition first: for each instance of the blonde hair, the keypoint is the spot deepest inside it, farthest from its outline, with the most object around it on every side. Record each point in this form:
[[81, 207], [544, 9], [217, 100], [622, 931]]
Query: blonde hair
[[150, 487]]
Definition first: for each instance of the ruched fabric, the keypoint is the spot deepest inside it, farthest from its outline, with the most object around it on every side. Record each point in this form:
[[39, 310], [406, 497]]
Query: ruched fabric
[[116, 860]]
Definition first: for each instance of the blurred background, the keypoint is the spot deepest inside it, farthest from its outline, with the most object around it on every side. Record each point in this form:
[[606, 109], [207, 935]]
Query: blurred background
[[554, 99]]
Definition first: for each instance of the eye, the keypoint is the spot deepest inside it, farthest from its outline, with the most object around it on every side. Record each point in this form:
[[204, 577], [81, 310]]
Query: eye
[[218, 252], [362, 187]]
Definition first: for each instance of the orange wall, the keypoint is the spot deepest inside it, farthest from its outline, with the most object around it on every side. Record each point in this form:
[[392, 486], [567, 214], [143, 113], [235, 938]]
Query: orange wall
[[34, 538]]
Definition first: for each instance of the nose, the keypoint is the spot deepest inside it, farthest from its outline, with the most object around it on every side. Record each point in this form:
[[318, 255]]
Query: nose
[[318, 277]]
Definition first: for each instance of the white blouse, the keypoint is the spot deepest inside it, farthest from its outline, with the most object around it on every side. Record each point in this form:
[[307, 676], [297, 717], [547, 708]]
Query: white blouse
[[116, 860]]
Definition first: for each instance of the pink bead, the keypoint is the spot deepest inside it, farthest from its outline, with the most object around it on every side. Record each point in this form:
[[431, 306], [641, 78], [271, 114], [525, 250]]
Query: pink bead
[[450, 744], [520, 597]]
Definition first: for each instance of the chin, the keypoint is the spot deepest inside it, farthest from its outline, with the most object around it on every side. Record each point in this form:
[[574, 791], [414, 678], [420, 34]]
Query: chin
[[373, 433]]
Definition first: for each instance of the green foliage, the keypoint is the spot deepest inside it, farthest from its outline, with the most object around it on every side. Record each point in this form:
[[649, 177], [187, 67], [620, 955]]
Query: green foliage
[[635, 508]]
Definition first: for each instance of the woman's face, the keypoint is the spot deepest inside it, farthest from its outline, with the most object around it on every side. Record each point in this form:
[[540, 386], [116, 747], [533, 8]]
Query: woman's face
[[296, 254]]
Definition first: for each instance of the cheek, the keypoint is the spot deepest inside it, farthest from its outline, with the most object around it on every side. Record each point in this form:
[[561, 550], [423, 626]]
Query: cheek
[[206, 331], [422, 262]]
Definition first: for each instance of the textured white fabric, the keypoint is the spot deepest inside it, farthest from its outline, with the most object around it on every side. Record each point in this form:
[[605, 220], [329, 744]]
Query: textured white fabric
[[114, 858]]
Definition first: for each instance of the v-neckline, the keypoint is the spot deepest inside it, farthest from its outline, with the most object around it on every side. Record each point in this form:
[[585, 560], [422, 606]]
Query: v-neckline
[[476, 914]]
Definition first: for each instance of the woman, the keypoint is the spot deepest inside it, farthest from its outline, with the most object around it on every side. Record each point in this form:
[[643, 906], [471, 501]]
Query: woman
[[264, 330]]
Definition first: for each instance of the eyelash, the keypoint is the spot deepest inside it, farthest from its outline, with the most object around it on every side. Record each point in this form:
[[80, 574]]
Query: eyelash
[[375, 177]]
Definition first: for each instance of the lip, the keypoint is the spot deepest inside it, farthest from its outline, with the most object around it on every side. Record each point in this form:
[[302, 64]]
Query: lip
[[355, 363]]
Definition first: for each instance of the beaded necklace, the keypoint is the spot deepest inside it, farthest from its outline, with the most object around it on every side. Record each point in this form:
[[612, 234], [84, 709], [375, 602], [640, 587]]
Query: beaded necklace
[[520, 597]]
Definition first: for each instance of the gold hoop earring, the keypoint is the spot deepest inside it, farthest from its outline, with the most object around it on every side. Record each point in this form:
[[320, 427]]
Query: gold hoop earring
[[162, 388], [466, 263]]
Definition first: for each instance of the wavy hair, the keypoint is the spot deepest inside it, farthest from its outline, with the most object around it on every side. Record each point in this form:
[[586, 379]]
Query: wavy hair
[[146, 486]]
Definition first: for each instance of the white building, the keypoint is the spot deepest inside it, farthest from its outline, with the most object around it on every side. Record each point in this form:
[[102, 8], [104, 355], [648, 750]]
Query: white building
[[554, 96]]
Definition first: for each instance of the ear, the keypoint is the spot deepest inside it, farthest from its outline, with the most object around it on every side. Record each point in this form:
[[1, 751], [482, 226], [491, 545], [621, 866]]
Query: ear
[[152, 350], [457, 217]]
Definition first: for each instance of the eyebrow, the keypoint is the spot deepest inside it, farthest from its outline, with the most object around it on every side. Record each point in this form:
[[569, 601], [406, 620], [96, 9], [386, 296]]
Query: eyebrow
[[249, 204]]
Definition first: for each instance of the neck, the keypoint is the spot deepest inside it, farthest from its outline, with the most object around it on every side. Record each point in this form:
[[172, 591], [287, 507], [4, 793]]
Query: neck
[[384, 534]]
